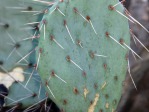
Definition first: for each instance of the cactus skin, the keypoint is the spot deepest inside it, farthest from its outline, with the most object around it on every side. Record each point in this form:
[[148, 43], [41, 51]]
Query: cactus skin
[[97, 87], [14, 21], [17, 92]]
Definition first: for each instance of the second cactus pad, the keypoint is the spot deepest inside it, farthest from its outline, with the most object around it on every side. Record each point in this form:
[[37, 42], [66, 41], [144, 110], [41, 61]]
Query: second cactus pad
[[82, 54], [17, 56]]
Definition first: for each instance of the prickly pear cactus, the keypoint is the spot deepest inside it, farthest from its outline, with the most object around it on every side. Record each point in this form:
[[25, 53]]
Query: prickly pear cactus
[[17, 52], [82, 54], [15, 33]]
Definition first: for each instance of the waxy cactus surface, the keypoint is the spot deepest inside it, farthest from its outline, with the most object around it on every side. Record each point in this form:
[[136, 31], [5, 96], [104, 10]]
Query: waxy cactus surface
[[82, 53], [17, 52]]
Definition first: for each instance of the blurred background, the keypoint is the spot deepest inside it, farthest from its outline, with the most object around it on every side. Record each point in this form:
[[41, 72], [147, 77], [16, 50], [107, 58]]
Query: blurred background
[[133, 100]]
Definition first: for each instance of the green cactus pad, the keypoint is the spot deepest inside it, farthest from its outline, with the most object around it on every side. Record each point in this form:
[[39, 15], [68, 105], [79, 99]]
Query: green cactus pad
[[82, 53], [28, 95], [13, 30], [14, 45]]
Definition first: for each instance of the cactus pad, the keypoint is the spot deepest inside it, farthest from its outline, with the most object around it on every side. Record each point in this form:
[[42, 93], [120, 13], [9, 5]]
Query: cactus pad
[[16, 72], [82, 54]]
